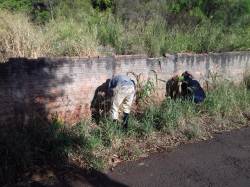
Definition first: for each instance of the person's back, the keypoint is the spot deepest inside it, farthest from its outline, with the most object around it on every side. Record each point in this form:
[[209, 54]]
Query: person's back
[[195, 90], [122, 89], [198, 92], [120, 80]]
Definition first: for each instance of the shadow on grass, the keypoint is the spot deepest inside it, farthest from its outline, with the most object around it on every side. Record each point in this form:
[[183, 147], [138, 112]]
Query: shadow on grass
[[39, 155], [34, 150]]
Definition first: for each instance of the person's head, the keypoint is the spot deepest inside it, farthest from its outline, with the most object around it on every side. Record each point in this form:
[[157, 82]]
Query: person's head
[[187, 75], [107, 82]]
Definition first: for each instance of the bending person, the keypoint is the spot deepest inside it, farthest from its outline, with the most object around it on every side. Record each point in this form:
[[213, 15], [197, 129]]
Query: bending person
[[191, 88], [122, 89]]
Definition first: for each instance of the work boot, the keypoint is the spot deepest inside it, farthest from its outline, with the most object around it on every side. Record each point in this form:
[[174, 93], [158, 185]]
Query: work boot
[[125, 120]]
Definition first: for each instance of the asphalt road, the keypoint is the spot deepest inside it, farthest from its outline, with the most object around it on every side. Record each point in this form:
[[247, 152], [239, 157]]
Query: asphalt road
[[222, 161]]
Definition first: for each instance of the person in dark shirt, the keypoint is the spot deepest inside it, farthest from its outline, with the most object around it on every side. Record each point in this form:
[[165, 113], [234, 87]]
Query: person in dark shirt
[[191, 88]]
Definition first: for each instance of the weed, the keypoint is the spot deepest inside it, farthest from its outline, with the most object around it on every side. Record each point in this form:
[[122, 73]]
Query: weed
[[94, 145], [144, 89], [226, 99], [192, 131], [246, 79]]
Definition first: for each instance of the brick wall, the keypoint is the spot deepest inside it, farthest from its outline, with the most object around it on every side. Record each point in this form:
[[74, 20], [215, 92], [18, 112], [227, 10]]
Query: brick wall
[[65, 87]]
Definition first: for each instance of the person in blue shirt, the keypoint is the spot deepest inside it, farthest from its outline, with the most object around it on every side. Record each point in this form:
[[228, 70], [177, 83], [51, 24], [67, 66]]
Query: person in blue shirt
[[122, 89], [191, 88]]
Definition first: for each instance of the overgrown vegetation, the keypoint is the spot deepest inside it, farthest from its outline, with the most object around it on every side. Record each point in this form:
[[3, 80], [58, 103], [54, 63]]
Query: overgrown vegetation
[[91, 27], [105, 144], [32, 28], [39, 145]]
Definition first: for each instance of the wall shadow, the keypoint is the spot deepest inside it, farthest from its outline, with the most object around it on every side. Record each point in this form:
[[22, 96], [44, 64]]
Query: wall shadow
[[31, 142], [101, 102]]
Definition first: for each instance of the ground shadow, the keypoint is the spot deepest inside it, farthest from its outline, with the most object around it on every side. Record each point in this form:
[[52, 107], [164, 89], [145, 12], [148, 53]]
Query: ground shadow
[[101, 102], [38, 155], [34, 148], [73, 176]]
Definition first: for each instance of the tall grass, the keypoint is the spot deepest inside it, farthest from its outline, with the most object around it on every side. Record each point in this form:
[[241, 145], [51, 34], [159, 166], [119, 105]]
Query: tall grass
[[98, 145], [70, 38], [224, 103], [19, 37], [86, 33], [155, 37], [227, 101]]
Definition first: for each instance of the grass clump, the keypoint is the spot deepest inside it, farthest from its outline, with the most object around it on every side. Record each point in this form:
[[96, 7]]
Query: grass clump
[[70, 38], [246, 79], [19, 37], [226, 100]]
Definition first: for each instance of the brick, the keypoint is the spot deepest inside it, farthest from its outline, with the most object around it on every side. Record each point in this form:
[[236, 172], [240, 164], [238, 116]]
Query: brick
[[66, 86]]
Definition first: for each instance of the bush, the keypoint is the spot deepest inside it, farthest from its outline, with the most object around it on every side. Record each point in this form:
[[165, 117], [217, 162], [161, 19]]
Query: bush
[[110, 32], [17, 5]]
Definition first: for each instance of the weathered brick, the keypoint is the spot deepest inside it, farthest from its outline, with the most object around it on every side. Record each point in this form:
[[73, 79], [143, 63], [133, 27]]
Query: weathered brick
[[65, 87]]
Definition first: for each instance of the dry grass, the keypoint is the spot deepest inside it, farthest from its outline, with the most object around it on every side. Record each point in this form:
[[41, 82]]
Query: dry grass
[[18, 37], [70, 38]]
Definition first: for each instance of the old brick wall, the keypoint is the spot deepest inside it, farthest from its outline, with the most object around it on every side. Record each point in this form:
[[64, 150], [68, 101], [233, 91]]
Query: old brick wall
[[65, 87]]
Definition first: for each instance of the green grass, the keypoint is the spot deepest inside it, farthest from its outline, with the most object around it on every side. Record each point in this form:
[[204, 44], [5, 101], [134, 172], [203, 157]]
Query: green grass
[[94, 145], [95, 32]]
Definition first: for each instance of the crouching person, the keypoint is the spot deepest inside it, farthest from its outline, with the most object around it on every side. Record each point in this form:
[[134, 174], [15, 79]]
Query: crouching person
[[122, 90], [191, 88]]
